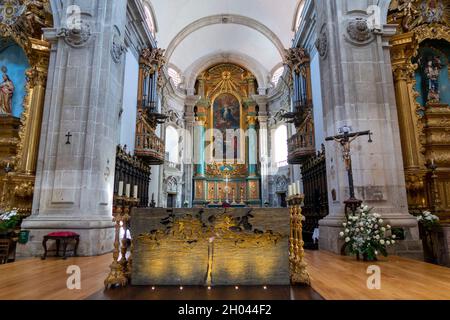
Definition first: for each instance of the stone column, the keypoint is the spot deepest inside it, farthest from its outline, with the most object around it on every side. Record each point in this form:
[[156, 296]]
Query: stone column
[[75, 172], [263, 146], [199, 153], [190, 103], [358, 91]]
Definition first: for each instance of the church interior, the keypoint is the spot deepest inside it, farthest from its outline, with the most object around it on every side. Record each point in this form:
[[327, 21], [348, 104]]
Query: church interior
[[225, 149]]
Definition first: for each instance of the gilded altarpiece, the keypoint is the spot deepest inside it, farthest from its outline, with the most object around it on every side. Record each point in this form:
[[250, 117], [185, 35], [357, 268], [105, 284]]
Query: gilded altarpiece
[[226, 121], [420, 53], [24, 58]]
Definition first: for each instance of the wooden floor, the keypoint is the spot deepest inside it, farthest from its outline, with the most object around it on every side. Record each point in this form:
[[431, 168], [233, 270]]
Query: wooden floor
[[342, 278], [35, 279], [333, 277]]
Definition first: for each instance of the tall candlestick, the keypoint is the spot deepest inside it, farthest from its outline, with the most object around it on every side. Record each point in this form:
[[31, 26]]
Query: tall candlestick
[[298, 187], [290, 193], [135, 192], [120, 191], [294, 189], [128, 190]]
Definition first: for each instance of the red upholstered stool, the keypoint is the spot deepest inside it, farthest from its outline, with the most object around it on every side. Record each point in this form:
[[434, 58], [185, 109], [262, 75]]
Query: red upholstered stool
[[61, 236]]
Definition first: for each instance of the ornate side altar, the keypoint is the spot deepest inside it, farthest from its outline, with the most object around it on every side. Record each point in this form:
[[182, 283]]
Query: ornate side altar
[[420, 62], [24, 67]]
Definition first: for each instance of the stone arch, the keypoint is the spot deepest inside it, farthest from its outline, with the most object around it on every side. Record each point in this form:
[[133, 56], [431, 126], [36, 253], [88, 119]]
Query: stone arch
[[384, 10], [149, 6], [205, 62], [57, 12], [224, 19]]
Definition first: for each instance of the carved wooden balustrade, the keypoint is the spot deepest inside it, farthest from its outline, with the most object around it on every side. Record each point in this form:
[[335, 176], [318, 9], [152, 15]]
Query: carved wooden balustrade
[[300, 147], [149, 147]]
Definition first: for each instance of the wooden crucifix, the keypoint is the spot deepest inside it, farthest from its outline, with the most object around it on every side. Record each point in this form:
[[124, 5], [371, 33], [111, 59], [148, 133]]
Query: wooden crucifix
[[345, 141]]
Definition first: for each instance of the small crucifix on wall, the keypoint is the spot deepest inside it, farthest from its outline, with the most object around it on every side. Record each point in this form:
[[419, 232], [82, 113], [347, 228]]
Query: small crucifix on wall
[[345, 139], [68, 136]]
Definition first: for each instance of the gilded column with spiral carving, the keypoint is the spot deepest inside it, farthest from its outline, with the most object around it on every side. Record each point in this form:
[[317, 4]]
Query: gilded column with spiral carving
[[298, 266], [116, 276]]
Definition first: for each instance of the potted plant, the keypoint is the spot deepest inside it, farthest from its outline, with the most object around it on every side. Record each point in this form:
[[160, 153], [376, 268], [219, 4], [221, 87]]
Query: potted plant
[[366, 235], [9, 220], [427, 221]]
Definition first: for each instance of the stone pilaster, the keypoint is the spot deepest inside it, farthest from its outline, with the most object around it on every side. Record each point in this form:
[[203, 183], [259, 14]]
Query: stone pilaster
[[263, 146], [189, 119], [358, 91], [75, 168]]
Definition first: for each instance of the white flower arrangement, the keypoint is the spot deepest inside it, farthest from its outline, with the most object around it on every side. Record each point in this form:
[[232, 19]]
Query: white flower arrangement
[[365, 234], [9, 219], [427, 219], [8, 215]]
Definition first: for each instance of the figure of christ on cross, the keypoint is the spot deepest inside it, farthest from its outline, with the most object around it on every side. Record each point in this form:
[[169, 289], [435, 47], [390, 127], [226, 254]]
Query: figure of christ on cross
[[345, 141]]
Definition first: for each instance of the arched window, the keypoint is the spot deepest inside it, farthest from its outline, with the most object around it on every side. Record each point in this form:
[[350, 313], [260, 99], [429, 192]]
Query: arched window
[[172, 149], [277, 75], [175, 76], [280, 146]]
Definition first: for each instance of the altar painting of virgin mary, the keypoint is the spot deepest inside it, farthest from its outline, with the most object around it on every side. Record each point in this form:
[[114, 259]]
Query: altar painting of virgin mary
[[226, 113]]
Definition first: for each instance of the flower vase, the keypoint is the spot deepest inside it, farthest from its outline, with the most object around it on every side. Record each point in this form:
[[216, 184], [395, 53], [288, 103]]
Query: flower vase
[[365, 257]]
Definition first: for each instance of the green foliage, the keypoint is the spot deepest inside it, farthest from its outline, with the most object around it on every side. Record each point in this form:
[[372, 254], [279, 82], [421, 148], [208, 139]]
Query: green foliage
[[9, 220]]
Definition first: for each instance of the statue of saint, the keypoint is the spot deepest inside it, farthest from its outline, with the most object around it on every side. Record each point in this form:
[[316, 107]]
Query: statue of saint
[[431, 71], [6, 93]]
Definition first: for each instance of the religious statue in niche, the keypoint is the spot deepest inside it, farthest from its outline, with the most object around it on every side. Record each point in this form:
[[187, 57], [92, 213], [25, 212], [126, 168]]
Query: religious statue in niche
[[432, 69], [6, 93]]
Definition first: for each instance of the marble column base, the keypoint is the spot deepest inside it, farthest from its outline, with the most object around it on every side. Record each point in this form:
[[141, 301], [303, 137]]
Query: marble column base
[[411, 247], [96, 235]]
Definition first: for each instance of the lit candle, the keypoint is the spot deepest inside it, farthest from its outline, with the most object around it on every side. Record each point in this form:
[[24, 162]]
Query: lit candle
[[120, 192], [432, 162], [128, 190], [135, 192]]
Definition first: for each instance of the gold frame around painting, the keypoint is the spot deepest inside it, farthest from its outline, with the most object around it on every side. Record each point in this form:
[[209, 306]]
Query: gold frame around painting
[[243, 127]]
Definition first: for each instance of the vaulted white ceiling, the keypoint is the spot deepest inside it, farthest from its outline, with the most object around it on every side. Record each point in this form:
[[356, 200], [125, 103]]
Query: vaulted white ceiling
[[256, 30]]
